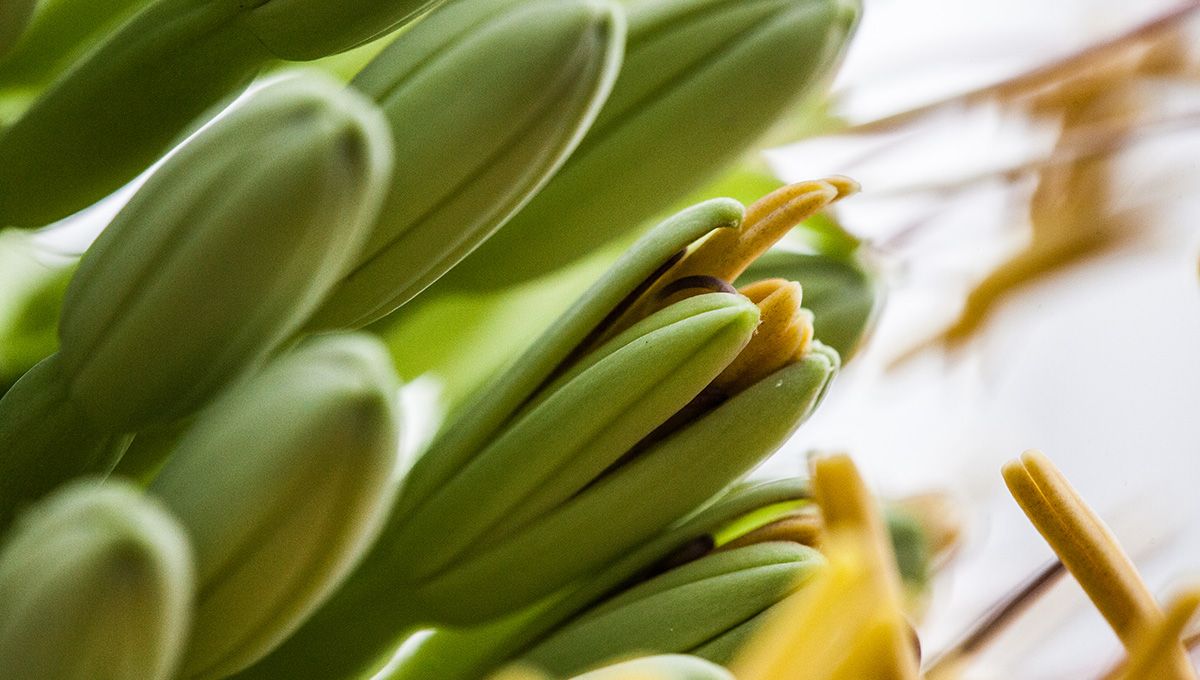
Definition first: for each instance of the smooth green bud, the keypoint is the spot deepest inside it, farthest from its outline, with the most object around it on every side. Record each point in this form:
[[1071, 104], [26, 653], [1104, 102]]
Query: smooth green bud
[[845, 294], [14, 21], [95, 584], [281, 485], [664, 667], [476, 653], [169, 68], [223, 253], [702, 81], [514, 86], [32, 285], [562, 463], [685, 610], [61, 32]]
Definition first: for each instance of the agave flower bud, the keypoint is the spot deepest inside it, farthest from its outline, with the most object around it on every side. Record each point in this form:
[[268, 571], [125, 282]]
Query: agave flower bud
[[281, 485], [218, 258], [562, 463], [474, 654], [14, 20], [95, 584], [514, 85], [59, 33], [702, 80], [705, 607], [663, 667], [167, 68], [223, 253]]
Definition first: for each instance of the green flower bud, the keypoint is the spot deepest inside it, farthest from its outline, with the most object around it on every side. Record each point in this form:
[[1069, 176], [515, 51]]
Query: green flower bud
[[281, 485], [169, 67], [95, 584], [223, 253], [578, 454], [61, 32], [475, 654], [219, 257], [32, 288], [684, 610], [14, 20], [514, 86], [664, 667], [702, 80]]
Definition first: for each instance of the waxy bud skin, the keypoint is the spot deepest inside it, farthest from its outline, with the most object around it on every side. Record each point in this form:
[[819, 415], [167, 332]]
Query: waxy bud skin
[[702, 80], [95, 584], [664, 667], [223, 253], [515, 85], [281, 485], [686, 609]]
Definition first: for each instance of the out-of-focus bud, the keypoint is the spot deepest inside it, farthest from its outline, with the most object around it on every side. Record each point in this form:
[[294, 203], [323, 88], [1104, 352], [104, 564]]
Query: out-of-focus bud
[[562, 463], [704, 608], [664, 667], [515, 85], [32, 285], [60, 32], [14, 21], [167, 68], [224, 252], [95, 584], [281, 485], [218, 258], [702, 80]]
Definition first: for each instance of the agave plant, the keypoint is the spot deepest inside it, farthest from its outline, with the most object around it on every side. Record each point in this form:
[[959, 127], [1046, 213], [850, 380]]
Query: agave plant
[[279, 529]]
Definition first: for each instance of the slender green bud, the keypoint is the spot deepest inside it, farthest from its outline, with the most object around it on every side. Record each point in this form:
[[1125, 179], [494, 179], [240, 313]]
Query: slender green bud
[[702, 81], [664, 667], [95, 584], [687, 609], [170, 67], [223, 253], [563, 462], [515, 85], [281, 485], [61, 32], [14, 21]]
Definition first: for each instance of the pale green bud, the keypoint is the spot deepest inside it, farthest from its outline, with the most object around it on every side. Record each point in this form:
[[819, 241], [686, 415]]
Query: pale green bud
[[61, 32], [563, 464], [702, 80], [32, 285], [664, 667], [167, 69], [281, 485], [14, 21], [486, 99], [95, 584], [476, 653], [223, 253], [686, 610]]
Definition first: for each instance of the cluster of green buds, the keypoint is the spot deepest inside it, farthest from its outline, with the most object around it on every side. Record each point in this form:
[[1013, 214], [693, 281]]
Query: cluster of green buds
[[278, 529]]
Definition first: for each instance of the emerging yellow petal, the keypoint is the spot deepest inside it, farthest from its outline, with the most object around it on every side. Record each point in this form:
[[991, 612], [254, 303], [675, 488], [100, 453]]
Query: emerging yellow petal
[[847, 624], [1091, 553]]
